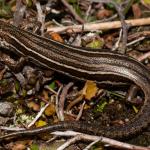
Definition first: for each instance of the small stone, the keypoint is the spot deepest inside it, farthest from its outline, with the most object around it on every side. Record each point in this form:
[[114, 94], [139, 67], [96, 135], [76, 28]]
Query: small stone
[[6, 108]]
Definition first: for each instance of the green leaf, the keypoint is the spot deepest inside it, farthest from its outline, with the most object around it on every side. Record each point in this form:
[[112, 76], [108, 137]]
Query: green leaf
[[52, 85], [96, 44], [135, 109], [112, 93], [34, 147], [101, 106]]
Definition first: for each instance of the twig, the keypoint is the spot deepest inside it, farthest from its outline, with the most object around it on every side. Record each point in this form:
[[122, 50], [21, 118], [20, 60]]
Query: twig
[[122, 20], [57, 102], [88, 12], [50, 89], [143, 56], [62, 100], [52, 139], [77, 100], [38, 115], [11, 128], [57, 23], [90, 145], [118, 41], [124, 27], [80, 112], [100, 26], [19, 13], [72, 11], [111, 142], [69, 142], [139, 34], [41, 16], [135, 41]]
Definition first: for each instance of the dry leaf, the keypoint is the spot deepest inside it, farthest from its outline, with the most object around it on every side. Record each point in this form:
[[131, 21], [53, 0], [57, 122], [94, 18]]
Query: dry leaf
[[56, 37], [109, 40], [33, 105], [104, 14], [90, 89], [45, 95], [136, 10], [50, 110]]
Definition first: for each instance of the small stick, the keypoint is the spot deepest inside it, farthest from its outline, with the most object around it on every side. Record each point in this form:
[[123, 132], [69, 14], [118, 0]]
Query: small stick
[[81, 111], [118, 41], [11, 128], [91, 144], [144, 56], [40, 16], [38, 115], [135, 41], [80, 136], [100, 26], [139, 34], [62, 99]]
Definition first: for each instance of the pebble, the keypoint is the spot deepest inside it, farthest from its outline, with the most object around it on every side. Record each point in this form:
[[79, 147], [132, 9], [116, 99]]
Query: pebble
[[6, 109]]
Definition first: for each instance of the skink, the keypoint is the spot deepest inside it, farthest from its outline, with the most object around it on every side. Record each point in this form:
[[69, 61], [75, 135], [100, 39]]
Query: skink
[[103, 67]]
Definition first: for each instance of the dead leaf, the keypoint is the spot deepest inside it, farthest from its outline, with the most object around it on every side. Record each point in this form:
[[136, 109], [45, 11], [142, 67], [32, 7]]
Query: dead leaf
[[136, 10], [45, 95], [50, 110], [33, 105], [90, 90], [104, 14], [109, 40], [56, 37]]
